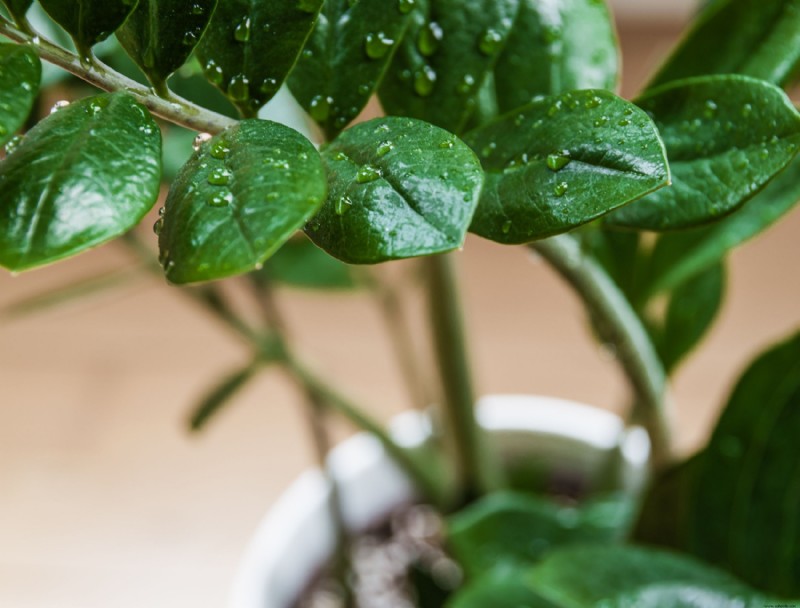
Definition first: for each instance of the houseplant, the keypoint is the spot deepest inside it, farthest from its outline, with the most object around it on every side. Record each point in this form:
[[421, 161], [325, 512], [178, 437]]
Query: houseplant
[[578, 175]]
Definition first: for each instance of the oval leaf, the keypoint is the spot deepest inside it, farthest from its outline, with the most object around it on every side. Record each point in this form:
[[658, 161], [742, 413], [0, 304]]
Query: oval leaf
[[345, 58], [250, 47], [449, 49], [556, 47], [398, 188], [237, 200], [300, 263], [759, 38], [89, 21], [82, 176], [563, 161], [20, 74], [161, 34], [726, 137], [625, 576]]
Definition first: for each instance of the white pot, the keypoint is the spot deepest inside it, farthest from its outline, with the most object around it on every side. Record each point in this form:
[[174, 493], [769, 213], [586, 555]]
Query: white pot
[[296, 537]]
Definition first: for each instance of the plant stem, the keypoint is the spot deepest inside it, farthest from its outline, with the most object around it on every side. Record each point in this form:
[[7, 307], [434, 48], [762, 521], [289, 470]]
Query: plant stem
[[175, 109], [620, 326], [474, 469]]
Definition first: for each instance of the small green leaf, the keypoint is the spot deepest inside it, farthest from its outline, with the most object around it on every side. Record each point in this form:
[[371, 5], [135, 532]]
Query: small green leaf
[[625, 576], [237, 200], [499, 588], [161, 34], [250, 47], [18, 8], [511, 528], [345, 59], [726, 137], [556, 47], [679, 256], [220, 395], [398, 188], [300, 263], [82, 176], [563, 161], [449, 49], [89, 21], [20, 73], [693, 306], [758, 38]]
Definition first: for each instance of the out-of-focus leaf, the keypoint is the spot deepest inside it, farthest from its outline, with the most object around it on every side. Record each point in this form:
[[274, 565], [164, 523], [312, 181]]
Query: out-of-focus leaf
[[398, 188], [20, 73], [564, 161], [300, 263]]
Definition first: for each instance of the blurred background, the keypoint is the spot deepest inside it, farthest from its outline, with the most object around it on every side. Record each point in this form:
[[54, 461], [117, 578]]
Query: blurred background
[[107, 500]]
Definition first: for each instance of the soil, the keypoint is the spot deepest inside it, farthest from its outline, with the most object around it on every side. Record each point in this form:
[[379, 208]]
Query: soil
[[402, 564]]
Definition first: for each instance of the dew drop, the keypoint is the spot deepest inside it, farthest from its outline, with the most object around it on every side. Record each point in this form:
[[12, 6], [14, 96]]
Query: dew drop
[[307, 54], [239, 88], [158, 226], [490, 42], [270, 85], [219, 149], [13, 144], [424, 81], [555, 108], [488, 149], [367, 174], [320, 108], [220, 199], [558, 160], [592, 102], [406, 6], [341, 156], [384, 148], [364, 89], [198, 9], [710, 108], [466, 84], [342, 205], [624, 122], [213, 72], [190, 39], [63, 103], [219, 177], [242, 31], [561, 188], [429, 38], [506, 227], [377, 45], [747, 109], [601, 122], [447, 144]]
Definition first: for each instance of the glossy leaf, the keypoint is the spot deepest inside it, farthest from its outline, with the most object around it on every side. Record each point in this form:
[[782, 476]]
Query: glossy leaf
[[82, 176], [398, 188], [161, 34], [692, 308], [626, 576], [20, 73], [450, 48], [345, 59], [679, 256], [89, 21], [510, 528], [250, 47], [220, 395], [237, 200], [300, 263], [18, 8], [556, 47], [563, 161], [759, 38], [726, 137]]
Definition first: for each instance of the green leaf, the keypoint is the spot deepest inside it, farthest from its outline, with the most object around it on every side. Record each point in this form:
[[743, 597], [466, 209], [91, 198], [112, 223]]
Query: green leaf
[[237, 200], [563, 161], [679, 256], [82, 176], [300, 263], [220, 395], [398, 188], [449, 49], [20, 73], [345, 59], [161, 34], [726, 137], [693, 306], [89, 21], [625, 576], [556, 47], [250, 46], [759, 38], [18, 8], [512, 528], [499, 588]]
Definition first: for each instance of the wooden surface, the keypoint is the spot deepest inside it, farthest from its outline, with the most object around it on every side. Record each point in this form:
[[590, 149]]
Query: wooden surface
[[106, 501]]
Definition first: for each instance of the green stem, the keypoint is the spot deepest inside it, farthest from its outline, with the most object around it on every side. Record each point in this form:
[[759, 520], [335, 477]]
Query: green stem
[[474, 469], [176, 109], [621, 327]]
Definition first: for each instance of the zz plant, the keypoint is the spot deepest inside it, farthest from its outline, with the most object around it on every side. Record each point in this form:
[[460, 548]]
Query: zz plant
[[500, 120]]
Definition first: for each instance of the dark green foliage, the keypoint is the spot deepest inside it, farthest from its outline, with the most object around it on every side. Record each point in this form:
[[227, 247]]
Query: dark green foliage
[[20, 73], [82, 176]]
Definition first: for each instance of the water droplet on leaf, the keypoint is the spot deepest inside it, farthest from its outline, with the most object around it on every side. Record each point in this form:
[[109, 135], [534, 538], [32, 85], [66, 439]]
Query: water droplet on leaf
[[558, 160], [490, 42], [424, 81], [367, 174], [561, 188], [429, 38], [377, 45], [220, 199]]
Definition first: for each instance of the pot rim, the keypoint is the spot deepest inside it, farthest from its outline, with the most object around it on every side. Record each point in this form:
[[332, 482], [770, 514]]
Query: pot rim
[[273, 572]]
